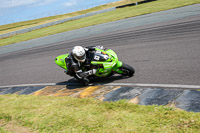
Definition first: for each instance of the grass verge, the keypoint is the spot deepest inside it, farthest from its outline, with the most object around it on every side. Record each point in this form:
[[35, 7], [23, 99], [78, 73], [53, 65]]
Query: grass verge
[[118, 14], [67, 114], [26, 24], [2, 130]]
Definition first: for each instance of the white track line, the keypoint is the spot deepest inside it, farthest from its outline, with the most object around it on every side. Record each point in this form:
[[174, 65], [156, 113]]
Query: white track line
[[114, 84], [156, 85], [24, 85]]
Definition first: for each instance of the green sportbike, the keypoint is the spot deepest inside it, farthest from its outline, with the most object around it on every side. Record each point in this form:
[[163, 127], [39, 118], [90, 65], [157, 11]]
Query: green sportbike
[[105, 68]]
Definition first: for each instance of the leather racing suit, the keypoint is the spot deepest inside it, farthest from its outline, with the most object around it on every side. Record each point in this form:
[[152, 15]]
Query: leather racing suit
[[81, 71]]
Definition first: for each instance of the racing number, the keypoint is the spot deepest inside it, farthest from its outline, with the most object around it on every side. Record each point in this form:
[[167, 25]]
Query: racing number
[[96, 57]]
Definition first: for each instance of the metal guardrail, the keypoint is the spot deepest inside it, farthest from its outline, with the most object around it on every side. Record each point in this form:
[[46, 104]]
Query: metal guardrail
[[54, 23]]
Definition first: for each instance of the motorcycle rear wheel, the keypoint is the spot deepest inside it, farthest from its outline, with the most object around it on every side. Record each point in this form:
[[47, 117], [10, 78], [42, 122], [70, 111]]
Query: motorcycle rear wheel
[[127, 70]]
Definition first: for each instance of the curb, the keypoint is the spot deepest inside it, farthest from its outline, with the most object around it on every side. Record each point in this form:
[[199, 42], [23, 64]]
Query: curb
[[185, 99]]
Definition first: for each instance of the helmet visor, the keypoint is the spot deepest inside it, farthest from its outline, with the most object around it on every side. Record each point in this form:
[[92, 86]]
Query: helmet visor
[[81, 58]]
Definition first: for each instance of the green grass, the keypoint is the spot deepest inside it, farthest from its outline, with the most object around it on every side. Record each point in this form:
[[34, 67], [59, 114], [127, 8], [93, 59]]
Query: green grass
[[2, 130], [67, 114], [118, 14]]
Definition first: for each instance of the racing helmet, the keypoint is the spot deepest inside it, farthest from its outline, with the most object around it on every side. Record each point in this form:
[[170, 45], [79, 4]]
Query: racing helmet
[[78, 53]]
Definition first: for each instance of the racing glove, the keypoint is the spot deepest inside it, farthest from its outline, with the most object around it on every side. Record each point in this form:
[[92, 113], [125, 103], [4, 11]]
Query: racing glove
[[81, 74]]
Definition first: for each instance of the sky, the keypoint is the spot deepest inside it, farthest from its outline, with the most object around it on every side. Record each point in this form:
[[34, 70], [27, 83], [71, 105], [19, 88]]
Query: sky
[[12, 11]]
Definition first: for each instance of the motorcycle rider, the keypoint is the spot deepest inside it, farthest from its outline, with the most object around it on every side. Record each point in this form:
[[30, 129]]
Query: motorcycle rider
[[79, 62]]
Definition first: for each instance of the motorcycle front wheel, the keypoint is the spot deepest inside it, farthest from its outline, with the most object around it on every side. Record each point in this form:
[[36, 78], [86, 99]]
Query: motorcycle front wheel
[[127, 70]]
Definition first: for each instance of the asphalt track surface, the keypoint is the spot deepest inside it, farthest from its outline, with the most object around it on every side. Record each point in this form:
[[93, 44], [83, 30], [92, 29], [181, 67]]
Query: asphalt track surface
[[161, 53]]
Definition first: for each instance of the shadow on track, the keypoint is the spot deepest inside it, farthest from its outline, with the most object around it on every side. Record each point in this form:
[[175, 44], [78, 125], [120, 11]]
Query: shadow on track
[[73, 83]]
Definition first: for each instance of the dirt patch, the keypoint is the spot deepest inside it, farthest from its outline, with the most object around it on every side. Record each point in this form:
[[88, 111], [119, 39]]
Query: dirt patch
[[13, 127]]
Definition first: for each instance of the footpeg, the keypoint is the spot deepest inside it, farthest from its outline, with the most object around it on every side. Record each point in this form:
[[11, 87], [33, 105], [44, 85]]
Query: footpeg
[[65, 72]]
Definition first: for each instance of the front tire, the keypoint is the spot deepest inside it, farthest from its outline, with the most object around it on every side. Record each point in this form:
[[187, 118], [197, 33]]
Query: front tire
[[127, 70], [85, 81]]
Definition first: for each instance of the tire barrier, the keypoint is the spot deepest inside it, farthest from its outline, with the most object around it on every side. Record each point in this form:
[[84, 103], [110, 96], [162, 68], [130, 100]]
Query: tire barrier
[[134, 4]]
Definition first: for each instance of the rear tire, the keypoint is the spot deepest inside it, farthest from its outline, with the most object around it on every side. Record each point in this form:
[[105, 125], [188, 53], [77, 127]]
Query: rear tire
[[127, 70]]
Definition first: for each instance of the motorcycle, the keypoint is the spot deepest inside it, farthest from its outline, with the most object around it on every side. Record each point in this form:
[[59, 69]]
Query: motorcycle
[[105, 68]]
